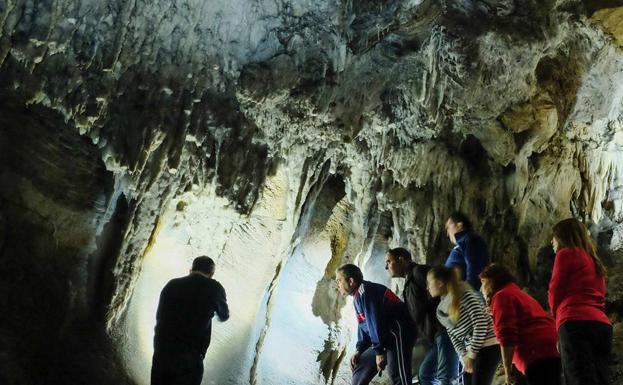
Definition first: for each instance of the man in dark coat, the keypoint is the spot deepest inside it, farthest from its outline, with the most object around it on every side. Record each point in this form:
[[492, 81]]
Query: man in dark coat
[[441, 363], [184, 325]]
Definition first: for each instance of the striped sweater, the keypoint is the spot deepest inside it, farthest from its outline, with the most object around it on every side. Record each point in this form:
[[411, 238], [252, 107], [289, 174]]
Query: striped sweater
[[474, 328]]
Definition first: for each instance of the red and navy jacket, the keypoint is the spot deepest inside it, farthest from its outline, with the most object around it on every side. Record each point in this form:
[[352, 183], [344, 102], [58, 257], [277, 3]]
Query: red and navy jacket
[[378, 309]]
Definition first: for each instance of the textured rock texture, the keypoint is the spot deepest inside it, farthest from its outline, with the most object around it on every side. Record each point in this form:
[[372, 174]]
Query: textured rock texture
[[283, 138]]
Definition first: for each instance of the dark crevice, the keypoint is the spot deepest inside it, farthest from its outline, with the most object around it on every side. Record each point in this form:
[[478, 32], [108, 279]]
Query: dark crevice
[[101, 263], [475, 156]]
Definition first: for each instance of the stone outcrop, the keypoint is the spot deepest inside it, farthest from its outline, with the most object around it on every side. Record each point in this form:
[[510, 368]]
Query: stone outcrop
[[283, 138]]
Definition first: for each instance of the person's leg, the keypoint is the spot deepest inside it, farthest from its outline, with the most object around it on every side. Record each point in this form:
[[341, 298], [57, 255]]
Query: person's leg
[[602, 350], [447, 361], [193, 371], [544, 372], [485, 365], [576, 352], [428, 368], [399, 356], [185, 369], [365, 370]]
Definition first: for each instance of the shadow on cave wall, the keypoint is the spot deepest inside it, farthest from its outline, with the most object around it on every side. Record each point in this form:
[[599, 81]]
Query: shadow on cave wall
[[54, 189]]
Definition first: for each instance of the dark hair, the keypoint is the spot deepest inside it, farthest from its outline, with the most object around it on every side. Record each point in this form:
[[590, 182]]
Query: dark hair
[[351, 271], [203, 264], [459, 217], [400, 252], [571, 232], [450, 277], [498, 275]]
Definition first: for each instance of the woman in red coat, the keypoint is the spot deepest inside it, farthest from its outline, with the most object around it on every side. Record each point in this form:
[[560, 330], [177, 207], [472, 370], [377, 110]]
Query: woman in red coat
[[527, 334], [577, 294]]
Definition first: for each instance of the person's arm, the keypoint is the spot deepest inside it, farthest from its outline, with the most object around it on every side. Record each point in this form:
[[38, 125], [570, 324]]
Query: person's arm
[[506, 327], [160, 304], [507, 361], [456, 260], [375, 319], [222, 310], [418, 296], [457, 342], [479, 318], [476, 257], [559, 281], [363, 339]]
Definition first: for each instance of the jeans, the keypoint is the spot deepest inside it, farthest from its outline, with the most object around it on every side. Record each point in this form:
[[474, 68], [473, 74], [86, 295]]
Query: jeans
[[441, 363], [585, 350]]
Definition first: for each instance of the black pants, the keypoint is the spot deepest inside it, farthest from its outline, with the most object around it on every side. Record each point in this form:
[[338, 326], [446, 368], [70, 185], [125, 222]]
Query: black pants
[[175, 368], [585, 350], [485, 365], [544, 372], [399, 352]]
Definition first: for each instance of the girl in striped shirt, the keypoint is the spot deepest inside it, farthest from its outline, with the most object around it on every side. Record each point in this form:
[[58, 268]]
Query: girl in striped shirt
[[463, 313]]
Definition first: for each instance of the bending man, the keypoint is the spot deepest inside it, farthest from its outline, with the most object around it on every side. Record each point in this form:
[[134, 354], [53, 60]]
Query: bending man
[[382, 338]]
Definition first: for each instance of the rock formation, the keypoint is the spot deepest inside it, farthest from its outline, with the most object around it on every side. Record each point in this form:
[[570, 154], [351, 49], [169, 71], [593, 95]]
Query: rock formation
[[283, 138]]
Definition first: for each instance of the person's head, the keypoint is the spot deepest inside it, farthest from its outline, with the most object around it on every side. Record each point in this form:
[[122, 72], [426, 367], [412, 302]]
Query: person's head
[[348, 278], [442, 280], [203, 265], [572, 233], [457, 222], [438, 279], [494, 277], [397, 262]]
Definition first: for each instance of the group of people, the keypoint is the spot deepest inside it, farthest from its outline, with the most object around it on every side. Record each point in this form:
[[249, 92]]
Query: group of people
[[471, 315]]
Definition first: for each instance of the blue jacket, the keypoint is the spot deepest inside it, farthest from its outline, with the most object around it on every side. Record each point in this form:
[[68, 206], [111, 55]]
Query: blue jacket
[[471, 255], [377, 308]]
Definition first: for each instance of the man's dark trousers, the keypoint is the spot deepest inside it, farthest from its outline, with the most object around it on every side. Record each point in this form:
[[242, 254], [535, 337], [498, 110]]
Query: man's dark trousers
[[399, 352], [175, 368]]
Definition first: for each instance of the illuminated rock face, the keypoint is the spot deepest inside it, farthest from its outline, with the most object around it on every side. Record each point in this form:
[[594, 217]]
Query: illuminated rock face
[[282, 139]]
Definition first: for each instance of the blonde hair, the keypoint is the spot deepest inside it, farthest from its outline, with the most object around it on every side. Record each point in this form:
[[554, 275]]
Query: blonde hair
[[455, 286], [573, 233]]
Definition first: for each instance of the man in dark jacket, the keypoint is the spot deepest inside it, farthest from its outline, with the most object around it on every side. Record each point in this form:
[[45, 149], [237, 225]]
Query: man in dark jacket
[[470, 253], [383, 337], [184, 325], [441, 363]]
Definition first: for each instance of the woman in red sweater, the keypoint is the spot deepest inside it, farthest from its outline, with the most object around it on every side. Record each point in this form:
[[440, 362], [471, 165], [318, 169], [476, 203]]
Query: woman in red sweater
[[527, 334], [577, 294]]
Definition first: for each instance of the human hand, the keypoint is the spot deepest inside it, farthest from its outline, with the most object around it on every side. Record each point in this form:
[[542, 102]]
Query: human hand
[[380, 362], [558, 346], [353, 360], [468, 364]]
